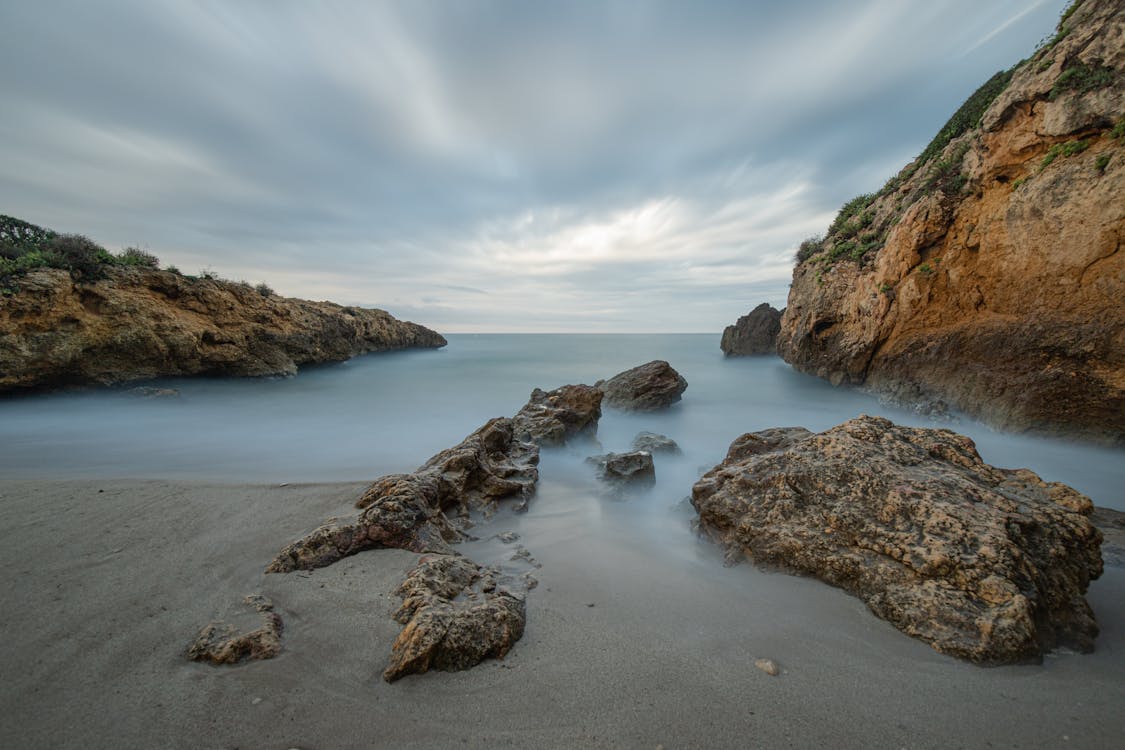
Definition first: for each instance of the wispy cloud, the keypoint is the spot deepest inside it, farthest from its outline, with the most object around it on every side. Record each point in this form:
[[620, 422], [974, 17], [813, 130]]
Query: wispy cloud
[[484, 165]]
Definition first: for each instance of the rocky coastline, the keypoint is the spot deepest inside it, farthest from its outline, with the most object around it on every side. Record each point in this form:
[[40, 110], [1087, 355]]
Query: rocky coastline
[[987, 275], [135, 324]]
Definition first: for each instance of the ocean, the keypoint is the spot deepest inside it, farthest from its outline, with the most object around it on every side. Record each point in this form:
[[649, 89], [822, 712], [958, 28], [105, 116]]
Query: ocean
[[389, 412]]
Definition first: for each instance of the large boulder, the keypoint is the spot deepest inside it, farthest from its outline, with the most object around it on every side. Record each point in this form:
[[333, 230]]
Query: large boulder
[[755, 333], [987, 564], [648, 387]]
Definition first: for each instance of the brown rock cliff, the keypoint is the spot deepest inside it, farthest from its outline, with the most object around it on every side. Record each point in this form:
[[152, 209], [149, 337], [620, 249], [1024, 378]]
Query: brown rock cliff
[[988, 275]]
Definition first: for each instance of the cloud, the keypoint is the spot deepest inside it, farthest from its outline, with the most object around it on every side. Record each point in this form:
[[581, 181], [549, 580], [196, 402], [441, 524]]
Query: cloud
[[484, 165]]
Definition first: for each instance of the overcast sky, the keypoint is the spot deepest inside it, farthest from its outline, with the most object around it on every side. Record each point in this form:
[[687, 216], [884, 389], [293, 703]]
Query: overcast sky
[[484, 166]]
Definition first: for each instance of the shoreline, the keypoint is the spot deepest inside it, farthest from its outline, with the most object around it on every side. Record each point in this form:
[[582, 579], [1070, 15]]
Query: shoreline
[[627, 645]]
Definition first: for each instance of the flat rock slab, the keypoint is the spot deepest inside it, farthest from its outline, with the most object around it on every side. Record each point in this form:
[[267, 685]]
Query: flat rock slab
[[987, 564], [222, 643]]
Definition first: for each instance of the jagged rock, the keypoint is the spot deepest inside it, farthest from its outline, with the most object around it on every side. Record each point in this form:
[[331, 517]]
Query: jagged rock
[[552, 418], [220, 643], [993, 274], [987, 564], [654, 443], [648, 387], [755, 333], [427, 510], [139, 324], [625, 469], [455, 615], [412, 511]]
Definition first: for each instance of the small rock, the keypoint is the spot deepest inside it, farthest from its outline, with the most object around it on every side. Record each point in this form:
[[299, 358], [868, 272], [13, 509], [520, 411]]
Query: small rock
[[652, 442], [625, 469], [151, 392], [769, 666], [507, 537]]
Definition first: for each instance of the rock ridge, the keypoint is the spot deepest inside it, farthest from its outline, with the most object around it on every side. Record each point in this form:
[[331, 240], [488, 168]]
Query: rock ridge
[[140, 323]]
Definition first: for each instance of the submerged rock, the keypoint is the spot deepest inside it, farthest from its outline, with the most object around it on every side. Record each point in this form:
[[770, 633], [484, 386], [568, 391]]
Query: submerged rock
[[755, 333], [221, 643], [769, 666], [455, 615], [655, 443], [622, 470], [648, 387], [986, 564]]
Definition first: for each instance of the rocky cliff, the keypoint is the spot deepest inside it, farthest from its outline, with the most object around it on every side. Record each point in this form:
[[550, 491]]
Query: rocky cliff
[[987, 275], [139, 323]]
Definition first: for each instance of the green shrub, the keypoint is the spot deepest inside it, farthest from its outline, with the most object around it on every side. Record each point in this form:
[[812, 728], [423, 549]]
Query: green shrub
[[1017, 183], [84, 258], [809, 248], [926, 268], [1101, 162], [1070, 148], [173, 269], [968, 116], [945, 175], [134, 256], [1118, 129], [1081, 78], [263, 289], [850, 210]]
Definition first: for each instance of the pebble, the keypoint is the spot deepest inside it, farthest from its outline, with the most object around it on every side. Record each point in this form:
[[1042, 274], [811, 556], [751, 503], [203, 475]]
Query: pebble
[[769, 666]]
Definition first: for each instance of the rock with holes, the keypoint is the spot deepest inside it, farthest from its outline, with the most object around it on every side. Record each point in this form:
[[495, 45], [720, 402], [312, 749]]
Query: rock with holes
[[551, 418], [986, 564]]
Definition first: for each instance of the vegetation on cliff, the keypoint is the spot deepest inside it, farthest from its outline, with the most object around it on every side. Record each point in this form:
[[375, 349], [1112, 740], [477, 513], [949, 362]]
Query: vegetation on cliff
[[72, 313], [986, 275]]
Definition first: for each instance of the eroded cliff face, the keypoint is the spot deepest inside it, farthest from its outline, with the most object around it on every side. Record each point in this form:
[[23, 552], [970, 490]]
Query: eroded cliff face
[[990, 277], [138, 323]]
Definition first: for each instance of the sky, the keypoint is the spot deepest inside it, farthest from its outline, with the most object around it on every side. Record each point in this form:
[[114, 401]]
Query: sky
[[615, 166]]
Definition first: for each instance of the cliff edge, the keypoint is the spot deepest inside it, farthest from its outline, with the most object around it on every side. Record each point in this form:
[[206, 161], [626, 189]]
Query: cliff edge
[[987, 274], [106, 323]]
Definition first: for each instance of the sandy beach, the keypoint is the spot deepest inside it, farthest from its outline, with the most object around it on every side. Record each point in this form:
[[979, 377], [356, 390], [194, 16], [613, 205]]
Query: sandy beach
[[107, 582]]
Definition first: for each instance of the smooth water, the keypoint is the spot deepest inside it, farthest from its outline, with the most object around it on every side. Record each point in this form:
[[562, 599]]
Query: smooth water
[[387, 413]]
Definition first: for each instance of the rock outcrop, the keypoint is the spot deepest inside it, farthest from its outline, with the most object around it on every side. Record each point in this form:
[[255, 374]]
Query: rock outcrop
[[138, 323], [429, 509], [754, 333], [454, 614], [649, 387], [222, 643], [986, 564], [988, 274]]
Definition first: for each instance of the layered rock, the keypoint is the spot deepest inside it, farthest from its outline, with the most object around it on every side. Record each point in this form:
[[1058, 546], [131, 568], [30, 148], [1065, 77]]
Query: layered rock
[[454, 614], [986, 564], [754, 333], [137, 324], [988, 273], [649, 387]]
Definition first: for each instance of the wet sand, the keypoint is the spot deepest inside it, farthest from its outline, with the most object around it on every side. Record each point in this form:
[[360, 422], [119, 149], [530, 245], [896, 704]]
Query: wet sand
[[630, 642]]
